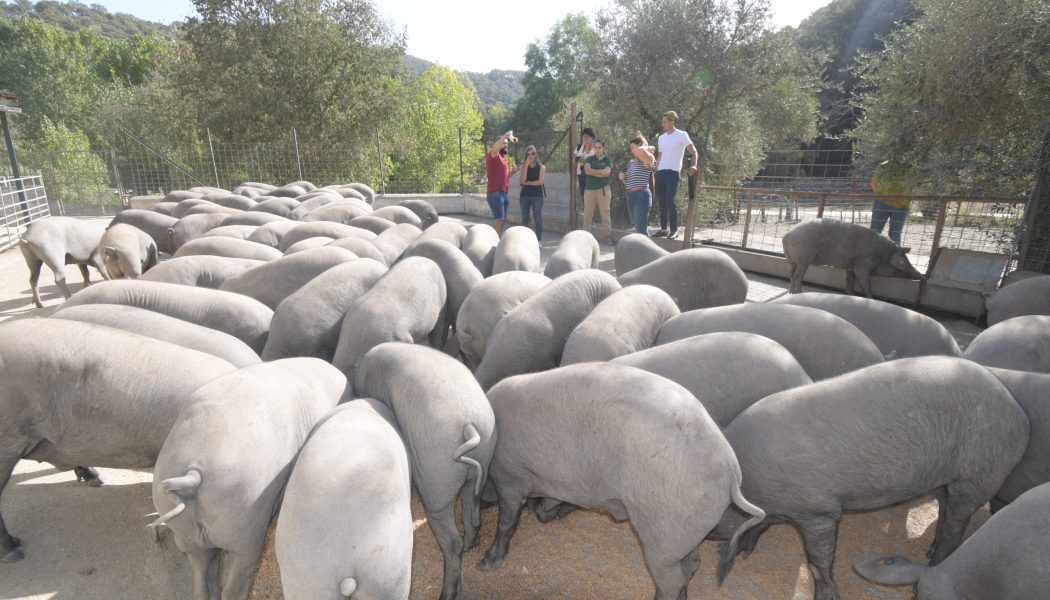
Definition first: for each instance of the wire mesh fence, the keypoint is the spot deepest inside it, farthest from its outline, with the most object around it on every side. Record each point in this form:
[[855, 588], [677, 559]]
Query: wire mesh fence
[[22, 201], [733, 208]]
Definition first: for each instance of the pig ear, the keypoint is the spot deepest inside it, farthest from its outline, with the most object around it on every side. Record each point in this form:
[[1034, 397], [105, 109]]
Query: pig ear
[[110, 251], [891, 570], [905, 250]]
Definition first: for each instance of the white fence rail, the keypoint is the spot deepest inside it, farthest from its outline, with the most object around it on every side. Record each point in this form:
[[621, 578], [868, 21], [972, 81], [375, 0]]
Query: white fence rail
[[22, 201]]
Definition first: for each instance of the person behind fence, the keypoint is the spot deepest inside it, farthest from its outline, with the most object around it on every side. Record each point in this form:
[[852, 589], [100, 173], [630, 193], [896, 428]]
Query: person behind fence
[[889, 181], [531, 198], [636, 180], [584, 150], [499, 173], [598, 168], [671, 146]]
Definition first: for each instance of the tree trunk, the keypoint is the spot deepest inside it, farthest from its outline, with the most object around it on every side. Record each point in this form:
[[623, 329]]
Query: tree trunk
[[1035, 247]]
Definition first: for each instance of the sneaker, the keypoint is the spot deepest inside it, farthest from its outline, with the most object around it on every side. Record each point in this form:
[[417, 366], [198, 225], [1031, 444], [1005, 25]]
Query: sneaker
[[672, 235], [609, 241], [661, 233]]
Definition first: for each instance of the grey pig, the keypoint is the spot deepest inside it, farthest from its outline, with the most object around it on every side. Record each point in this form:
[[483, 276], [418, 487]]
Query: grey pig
[[372, 223], [362, 248], [240, 232], [405, 305], [307, 323], [228, 247], [392, 242], [461, 276], [450, 433], [695, 278], [577, 250], [154, 224], [874, 438], [451, 232], [625, 322], [271, 233], [345, 526], [708, 366], [127, 252], [56, 242], [897, 331], [274, 281], [282, 207], [424, 210], [623, 441], [240, 316], [1005, 559], [636, 250], [532, 336], [219, 476], [1026, 297], [309, 244], [256, 219], [518, 250], [480, 247], [1032, 392], [192, 227], [207, 207], [322, 228], [162, 327], [114, 417], [485, 306], [397, 215], [338, 212], [1020, 343], [825, 345], [362, 189], [857, 249], [200, 271]]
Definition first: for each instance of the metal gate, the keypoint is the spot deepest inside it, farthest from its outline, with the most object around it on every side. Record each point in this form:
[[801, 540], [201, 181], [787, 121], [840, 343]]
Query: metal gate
[[22, 201]]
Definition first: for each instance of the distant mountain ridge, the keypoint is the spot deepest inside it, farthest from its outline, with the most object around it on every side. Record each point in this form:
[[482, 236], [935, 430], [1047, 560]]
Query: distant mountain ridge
[[73, 16], [495, 87]]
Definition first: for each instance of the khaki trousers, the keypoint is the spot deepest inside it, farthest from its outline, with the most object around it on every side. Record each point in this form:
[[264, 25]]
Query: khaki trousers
[[602, 198]]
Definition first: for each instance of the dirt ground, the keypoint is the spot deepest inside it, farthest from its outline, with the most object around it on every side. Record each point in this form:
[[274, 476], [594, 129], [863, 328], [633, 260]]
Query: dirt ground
[[91, 544]]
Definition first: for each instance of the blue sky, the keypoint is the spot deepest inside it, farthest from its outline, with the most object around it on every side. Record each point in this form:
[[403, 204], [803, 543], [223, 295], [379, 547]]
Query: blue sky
[[465, 38]]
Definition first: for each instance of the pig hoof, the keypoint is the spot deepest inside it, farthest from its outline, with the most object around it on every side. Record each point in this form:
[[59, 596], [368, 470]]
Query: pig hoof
[[14, 555], [489, 564], [88, 476]]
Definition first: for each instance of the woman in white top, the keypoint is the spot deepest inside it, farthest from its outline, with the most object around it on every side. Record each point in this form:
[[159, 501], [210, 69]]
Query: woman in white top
[[636, 180]]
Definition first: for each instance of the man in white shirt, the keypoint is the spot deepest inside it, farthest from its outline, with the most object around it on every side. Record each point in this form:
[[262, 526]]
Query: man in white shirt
[[671, 146]]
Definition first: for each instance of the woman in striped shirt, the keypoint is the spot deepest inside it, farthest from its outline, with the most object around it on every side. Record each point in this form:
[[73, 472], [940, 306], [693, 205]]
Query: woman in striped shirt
[[637, 180]]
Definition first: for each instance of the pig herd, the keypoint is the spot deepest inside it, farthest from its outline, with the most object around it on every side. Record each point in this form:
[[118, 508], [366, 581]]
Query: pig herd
[[295, 354]]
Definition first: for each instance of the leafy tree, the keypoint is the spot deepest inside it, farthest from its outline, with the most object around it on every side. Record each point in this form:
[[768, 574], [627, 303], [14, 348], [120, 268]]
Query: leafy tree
[[962, 96], [560, 67], [842, 31], [718, 64], [258, 68], [72, 171], [59, 76], [440, 104]]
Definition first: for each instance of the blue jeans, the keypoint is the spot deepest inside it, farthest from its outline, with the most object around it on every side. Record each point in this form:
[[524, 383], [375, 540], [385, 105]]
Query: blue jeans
[[498, 203], [638, 205], [666, 190], [881, 212], [533, 205]]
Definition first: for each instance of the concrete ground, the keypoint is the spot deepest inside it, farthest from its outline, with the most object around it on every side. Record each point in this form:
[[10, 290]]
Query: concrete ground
[[92, 544]]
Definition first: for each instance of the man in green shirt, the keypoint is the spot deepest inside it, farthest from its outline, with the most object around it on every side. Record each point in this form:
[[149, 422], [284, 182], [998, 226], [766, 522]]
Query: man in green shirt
[[598, 169], [890, 183]]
